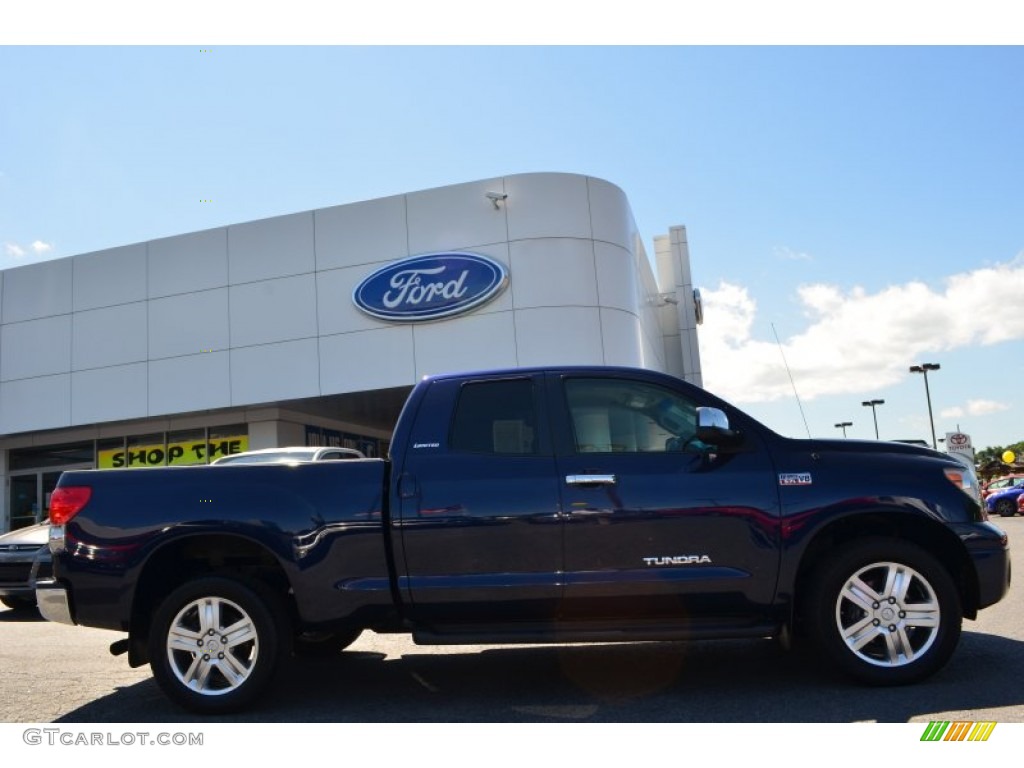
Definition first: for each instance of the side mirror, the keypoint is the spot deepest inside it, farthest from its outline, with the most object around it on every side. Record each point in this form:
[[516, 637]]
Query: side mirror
[[713, 428]]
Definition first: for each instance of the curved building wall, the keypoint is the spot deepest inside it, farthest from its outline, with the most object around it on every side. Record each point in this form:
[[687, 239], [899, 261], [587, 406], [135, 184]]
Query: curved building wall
[[261, 312]]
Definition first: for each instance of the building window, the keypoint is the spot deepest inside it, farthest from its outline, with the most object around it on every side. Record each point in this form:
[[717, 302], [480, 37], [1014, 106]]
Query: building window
[[181, 448], [186, 447], [51, 456], [224, 441]]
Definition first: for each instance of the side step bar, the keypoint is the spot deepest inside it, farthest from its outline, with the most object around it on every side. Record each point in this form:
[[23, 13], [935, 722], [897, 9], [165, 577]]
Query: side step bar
[[510, 635]]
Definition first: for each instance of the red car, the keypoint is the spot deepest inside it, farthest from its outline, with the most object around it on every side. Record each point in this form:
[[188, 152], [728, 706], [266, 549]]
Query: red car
[[1020, 503]]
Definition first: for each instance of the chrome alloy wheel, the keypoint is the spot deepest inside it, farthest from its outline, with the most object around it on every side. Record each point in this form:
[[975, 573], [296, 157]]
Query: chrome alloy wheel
[[212, 646], [888, 614]]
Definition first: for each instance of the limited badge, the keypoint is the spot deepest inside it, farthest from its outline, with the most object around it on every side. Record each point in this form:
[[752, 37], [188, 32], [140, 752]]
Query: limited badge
[[795, 478]]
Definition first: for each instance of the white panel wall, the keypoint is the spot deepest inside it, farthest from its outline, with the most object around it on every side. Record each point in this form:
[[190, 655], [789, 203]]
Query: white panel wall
[[617, 278], [269, 372], [559, 336], [377, 359], [109, 336], [547, 205], [37, 290], [456, 217], [622, 338], [361, 233], [189, 383], [273, 310], [262, 311], [188, 324], [610, 217], [277, 247], [43, 402], [109, 394], [105, 278], [335, 311], [554, 272], [194, 262], [474, 343], [35, 348]]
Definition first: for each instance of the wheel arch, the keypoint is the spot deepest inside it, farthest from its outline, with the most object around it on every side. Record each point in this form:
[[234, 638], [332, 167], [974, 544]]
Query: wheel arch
[[192, 556], [924, 532]]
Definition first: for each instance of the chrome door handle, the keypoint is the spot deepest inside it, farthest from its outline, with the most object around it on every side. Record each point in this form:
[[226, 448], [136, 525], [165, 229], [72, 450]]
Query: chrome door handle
[[590, 479]]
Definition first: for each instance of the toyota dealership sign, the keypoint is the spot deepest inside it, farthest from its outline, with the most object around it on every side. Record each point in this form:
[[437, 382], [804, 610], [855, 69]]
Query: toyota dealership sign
[[959, 442]]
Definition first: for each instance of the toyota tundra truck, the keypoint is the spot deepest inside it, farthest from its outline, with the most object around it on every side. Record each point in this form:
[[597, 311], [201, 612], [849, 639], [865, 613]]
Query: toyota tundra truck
[[531, 506]]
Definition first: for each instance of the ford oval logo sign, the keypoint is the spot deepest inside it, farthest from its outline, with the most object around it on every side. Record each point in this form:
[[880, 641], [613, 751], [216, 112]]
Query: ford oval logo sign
[[431, 286]]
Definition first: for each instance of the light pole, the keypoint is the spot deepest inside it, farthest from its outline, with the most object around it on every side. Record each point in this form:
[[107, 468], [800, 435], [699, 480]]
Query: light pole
[[874, 413], [923, 369], [843, 425]]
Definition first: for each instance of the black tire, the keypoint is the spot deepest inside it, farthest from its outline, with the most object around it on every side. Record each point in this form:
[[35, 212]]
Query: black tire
[[315, 644], [885, 611], [1006, 507], [238, 631], [20, 604]]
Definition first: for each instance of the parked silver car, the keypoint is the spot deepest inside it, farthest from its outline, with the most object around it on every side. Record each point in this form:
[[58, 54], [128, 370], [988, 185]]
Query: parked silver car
[[24, 557], [297, 455]]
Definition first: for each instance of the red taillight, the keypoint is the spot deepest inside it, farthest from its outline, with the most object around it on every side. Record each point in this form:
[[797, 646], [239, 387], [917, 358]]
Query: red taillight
[[66, 502]]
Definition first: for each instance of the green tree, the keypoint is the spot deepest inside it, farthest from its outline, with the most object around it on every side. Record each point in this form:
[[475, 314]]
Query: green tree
[[996, 452]]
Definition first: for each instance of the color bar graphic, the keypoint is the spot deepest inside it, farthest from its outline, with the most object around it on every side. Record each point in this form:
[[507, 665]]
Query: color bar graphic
[[958, 730]]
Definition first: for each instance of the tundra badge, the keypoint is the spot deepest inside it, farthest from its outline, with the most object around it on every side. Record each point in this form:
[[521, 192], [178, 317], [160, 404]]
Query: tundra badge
[[678, 560]]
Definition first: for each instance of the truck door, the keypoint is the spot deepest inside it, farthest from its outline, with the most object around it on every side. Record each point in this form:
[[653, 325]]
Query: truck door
[[659, 527], [480, 534]]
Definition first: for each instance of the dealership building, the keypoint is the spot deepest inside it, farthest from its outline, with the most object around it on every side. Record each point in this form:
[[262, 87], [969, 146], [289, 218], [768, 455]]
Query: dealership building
[[311, 328]]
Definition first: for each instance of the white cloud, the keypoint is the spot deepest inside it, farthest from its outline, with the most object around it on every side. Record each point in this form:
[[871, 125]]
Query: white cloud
[[40, 247], [974, 408], [14, 250], [784, 252], [855, 341], [985, 407]]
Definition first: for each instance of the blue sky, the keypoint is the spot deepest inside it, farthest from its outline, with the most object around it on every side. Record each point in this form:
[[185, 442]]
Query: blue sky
[[867, 201]]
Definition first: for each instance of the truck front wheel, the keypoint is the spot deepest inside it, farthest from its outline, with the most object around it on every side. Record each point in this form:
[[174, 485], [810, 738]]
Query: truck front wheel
[[215, 643], [886, 611]]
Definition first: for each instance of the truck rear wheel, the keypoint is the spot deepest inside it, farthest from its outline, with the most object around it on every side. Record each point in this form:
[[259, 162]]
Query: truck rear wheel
[[215, 643], [886, 611]]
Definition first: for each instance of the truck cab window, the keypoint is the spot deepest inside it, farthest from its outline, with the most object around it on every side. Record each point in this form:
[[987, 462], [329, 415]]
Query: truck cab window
[[620, 416], [495, 417]]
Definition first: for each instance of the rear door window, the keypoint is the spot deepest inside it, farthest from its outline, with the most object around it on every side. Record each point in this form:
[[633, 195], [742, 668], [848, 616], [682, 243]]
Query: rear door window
[[496, 417]]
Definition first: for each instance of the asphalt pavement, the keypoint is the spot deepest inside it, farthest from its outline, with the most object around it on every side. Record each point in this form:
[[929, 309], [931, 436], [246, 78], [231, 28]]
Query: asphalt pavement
[[55, 673]]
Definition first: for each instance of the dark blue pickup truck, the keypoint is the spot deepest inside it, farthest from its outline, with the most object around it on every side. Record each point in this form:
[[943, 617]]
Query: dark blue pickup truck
[[528, 506]]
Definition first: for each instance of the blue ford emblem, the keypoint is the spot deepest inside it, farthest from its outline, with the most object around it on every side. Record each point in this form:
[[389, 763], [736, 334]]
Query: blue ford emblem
[[430, 286]]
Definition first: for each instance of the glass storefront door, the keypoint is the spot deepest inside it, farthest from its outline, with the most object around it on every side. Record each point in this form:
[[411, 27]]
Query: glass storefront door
[[24, 507], [30, 494]]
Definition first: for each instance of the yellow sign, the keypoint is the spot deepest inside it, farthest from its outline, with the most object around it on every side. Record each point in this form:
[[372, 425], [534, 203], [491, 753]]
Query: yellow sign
[[173, 454], [1008, 457]]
